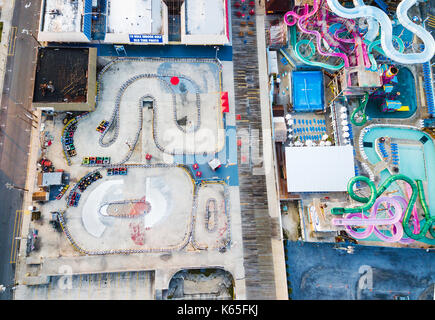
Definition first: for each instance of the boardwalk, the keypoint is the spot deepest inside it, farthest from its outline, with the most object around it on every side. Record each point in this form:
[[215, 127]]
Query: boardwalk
[[256, 223]]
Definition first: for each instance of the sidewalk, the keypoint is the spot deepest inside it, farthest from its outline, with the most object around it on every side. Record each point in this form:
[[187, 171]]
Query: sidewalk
[[7, 10]]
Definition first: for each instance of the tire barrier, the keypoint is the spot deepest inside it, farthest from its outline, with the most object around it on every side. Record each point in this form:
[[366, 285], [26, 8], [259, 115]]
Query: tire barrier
[[115, 113], [114, 120], [193, 241], [178, 247], [189, 237]]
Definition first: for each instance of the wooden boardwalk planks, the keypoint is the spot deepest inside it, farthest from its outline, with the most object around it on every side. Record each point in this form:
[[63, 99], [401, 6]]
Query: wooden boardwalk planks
[[256, 222]]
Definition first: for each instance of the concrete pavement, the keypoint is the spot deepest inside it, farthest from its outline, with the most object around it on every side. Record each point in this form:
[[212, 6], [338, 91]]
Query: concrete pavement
[[15, 126]]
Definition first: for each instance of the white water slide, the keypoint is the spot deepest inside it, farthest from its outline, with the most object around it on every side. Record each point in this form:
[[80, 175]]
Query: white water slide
[[387, 29]]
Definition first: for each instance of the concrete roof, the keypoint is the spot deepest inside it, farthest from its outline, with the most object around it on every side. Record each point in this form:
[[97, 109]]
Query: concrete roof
[[62, 15], [51, 179], [319, 169]]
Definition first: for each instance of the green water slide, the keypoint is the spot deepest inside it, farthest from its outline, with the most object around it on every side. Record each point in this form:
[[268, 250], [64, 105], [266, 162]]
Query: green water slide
[[417, 190], [424, 204], [361, 109], [293, 36], [307, 60]]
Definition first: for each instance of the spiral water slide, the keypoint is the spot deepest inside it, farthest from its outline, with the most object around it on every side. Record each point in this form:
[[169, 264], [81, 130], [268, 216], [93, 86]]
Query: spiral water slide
[[368, 202], [387, 29], [300, 19], [372, 222], [360, 111]]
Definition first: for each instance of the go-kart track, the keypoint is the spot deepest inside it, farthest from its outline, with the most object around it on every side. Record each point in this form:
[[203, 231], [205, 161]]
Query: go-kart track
[[158, 107], [142, 97], [175, 208]]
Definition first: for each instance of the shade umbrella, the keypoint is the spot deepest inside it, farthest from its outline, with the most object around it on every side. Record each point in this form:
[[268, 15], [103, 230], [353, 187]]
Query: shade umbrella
[[344, 122], [324, 137], [346, 134], [345, 128], [328, 143], [343, 116], [343, 109]]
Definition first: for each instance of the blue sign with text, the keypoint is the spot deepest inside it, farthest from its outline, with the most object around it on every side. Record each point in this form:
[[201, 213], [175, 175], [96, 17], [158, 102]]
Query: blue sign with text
[[146, 38]]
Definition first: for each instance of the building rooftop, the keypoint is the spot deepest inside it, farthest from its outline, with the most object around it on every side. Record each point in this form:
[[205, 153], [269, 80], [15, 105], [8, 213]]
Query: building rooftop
[[51, 179], [205, 17], [62, 15], [280, 6], [134, 16], [319, 169], [61, 75]]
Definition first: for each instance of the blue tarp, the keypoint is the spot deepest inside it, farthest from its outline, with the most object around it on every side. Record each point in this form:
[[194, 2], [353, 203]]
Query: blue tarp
[[307, 91]]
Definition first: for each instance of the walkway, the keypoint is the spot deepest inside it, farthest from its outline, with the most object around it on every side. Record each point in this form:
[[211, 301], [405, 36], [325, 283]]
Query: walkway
[[258, 227]]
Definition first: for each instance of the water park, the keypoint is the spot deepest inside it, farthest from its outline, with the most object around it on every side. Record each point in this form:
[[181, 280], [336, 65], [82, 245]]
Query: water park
[[350, 74]]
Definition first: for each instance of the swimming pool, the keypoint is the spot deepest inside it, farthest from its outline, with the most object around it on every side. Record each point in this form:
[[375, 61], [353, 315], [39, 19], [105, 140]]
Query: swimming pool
[[416, 161], [412, 161], [406, 87]]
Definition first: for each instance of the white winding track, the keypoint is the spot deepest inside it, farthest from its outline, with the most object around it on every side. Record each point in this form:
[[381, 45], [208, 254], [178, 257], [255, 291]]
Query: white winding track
[[362, 10]]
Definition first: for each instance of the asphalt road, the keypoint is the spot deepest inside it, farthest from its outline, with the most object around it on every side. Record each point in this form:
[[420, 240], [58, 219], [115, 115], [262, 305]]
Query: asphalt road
[[318, 271], [15, 128]]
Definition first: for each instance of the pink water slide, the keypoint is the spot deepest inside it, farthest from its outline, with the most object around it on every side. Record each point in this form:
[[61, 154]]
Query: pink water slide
[[324, 20], [372, 222]]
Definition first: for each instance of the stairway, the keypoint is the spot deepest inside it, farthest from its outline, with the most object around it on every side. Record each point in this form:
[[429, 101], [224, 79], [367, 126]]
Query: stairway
[[428, 88]]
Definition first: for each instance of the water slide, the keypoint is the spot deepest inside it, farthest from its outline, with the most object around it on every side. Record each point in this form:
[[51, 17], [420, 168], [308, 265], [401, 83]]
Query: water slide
[[300, 19], [387, 29], [374, 45], [368, 202], [372, 219], [361, 111], [306, 59], [425, 207], [414, 210], [371, 222], [319, 36]]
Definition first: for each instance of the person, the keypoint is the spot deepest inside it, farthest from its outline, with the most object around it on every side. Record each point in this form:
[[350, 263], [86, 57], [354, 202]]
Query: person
[[2, 288]]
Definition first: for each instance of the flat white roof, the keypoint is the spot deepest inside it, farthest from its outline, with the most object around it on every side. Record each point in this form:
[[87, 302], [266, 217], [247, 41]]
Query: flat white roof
[[205, 17], [62, 16], [319, 169], [134, 16]]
